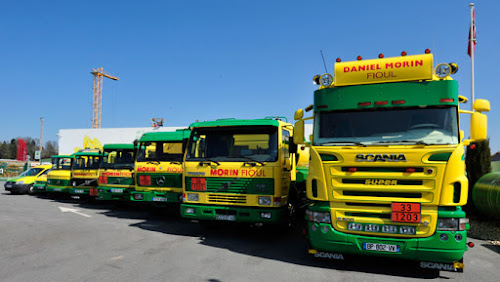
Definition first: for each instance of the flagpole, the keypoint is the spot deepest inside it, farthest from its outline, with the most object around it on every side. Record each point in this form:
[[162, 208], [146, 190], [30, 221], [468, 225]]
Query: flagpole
[[472, 51]]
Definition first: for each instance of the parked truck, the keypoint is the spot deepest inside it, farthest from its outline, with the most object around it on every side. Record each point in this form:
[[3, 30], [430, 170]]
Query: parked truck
[[59, 178], [84, 173], [387, 174], [116, 172], [240, 171], [158, 167]]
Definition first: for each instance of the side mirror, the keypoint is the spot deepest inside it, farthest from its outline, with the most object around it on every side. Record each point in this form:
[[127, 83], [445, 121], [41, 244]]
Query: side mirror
[[481, 105], [298, 132], [478, 125], [299, 114]]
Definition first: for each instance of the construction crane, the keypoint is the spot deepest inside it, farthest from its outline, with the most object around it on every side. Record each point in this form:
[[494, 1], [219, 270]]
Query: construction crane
[[97, 100]]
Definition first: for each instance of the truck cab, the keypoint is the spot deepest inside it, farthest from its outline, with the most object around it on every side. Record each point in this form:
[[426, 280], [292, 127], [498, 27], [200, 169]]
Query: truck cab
[[240, 171], [116, 172], [158, 167], [59, 178], [84, 173], [387, 174]]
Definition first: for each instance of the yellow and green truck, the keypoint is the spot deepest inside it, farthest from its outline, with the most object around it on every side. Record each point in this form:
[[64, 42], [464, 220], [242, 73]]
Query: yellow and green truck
[[158, 167], [59, 178], [116, 172], [387, 174], [85, 172], [24, 183], [240, 171], [41, 181]]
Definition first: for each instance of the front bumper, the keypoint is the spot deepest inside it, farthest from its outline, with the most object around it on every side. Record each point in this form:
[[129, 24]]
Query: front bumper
[[431, 249], [83, 190], [57, 189], [16, 188], [114, 194], [237, 214], [157, 198], [39, 188]]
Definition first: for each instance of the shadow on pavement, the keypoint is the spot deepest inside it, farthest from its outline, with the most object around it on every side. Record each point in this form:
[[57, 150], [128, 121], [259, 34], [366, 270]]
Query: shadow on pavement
[[262, 242]]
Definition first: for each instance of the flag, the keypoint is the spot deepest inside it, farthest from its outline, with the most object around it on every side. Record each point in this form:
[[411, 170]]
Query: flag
[[473, 25]]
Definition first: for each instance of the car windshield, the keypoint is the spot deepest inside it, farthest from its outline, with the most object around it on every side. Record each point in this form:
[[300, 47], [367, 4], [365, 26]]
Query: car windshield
[[118, 159], [234, 144], [61, 163], [31, 172], [159, 151], [430, 126], [86, 162]]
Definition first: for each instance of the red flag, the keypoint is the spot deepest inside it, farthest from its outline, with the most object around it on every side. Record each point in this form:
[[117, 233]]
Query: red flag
[[473, 24]]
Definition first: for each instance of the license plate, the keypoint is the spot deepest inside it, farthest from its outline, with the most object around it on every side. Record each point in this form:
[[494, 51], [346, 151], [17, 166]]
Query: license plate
[[57, 189], [8, 185], [113, 190], [228, 217], [381, 247], [157, 199], [406, 212], [79, 191]]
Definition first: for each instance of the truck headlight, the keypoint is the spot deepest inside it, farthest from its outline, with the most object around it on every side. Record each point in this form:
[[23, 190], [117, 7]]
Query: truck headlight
[[448, 224], [192, 197], [189, 210], [326, 79], [264, 201], [442, 70], [265, 215], [320, 217]]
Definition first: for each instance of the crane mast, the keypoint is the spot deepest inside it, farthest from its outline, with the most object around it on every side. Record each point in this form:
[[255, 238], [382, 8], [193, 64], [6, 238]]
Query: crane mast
[[97, 98]]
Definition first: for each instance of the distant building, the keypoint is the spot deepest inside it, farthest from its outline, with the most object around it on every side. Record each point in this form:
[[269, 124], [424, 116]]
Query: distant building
[[495, 162]]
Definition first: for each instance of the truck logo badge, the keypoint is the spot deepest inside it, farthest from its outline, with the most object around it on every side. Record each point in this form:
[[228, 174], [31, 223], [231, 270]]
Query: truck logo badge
[[329, 255], [438, 265], [160, 180], [380, 158]]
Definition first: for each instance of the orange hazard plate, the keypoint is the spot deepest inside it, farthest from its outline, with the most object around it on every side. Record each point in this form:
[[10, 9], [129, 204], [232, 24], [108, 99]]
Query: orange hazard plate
[[406, 212]]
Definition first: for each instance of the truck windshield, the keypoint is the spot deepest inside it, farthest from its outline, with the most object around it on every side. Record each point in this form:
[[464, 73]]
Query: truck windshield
[[430, 126], [159, 151], [86, 162], [118, 159], [234, 144], [61, 163]]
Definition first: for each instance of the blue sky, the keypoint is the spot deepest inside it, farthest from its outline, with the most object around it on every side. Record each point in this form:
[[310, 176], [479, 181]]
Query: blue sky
[[203, 60]]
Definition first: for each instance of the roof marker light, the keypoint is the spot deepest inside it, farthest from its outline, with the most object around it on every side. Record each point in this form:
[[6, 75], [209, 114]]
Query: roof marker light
[[398, 102], [360, 58], [338, 60], [352, 169], [403, 53], [380, 103], [381, 56], [427, 51], [364, 104]]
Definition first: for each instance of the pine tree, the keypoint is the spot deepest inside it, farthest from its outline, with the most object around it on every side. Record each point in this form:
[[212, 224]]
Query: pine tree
[[478, 163]]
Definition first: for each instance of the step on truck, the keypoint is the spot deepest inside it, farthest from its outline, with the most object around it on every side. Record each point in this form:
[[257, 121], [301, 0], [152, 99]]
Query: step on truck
[[85, 172], [116, 172], [158, 167], [387, 174], [59, 177], [240, 171]]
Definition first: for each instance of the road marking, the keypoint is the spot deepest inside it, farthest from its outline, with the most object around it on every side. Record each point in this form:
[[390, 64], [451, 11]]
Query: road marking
[[63, 209], [117, 258]]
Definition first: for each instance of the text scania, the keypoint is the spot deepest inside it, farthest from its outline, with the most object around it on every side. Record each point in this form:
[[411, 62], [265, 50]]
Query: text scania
[[380, 158], [236, 172]]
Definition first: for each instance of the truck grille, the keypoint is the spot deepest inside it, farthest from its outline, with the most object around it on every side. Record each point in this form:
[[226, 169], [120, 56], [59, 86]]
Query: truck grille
[[231, 199]]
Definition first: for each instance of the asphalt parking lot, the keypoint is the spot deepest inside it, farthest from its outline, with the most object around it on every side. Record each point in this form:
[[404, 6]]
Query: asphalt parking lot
[[46, 239]]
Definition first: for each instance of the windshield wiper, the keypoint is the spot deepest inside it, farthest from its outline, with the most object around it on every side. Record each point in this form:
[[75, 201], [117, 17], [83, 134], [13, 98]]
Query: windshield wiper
[[175, 162], [208, 162], [419, 142], [345, 142], [250, 161]]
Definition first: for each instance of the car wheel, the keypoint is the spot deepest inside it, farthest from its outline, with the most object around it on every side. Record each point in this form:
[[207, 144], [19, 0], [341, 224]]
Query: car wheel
[[31, 190]]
